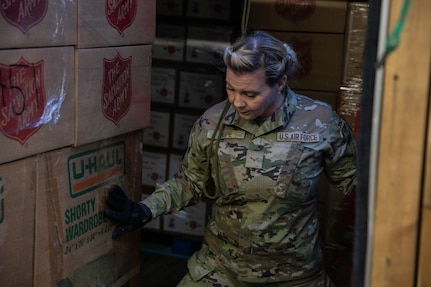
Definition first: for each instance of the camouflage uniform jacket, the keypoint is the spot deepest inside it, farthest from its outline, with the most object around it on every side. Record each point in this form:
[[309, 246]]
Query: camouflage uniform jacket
[[266, 225]]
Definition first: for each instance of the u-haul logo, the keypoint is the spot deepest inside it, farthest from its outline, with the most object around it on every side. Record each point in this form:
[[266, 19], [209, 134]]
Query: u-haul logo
[[95, 168]]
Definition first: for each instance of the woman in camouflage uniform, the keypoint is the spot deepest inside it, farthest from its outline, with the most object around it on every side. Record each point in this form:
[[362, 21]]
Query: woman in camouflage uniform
[[260, 155]]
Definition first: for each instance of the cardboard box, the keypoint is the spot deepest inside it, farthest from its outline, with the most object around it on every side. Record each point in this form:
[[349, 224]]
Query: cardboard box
[[200, 90], [37, 23], [300, 16], [113, 91], [170, 8], [320, 57], [157, 133], [163, 85], [116, 23], [182, 125], [17, 215], [206, 45], [190, 220], [169, 43], [209, 9], [73, 237], [153, 167], [37, 106]]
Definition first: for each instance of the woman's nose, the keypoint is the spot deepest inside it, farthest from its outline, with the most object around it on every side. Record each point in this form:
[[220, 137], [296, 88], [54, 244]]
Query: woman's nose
[[238, 101]]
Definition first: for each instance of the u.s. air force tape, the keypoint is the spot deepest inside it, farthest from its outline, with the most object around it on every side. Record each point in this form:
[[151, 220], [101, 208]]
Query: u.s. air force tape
[[297, 137]]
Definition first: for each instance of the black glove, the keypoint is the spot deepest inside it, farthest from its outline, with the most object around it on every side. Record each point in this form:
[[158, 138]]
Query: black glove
[[131, 215]]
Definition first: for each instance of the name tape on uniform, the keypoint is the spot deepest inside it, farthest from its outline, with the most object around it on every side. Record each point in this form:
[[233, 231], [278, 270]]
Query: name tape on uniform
[[297, 137], [228, 134]]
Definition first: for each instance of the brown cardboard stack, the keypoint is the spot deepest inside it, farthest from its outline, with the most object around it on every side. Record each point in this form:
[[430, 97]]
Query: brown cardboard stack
[[17, 222], [36, 77], [113, 70], [315, 30], [185, 80], [75, 96]]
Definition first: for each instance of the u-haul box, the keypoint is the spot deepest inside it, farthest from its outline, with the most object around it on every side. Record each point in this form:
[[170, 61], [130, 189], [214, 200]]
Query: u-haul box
[[17, 215], [73, 237]]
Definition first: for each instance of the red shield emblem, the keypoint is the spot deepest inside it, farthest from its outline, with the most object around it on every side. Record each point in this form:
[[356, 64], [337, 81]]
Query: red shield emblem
[[23, 14], [295, 10], [22, 99], [120, 13], [117, 88], [303, 51]]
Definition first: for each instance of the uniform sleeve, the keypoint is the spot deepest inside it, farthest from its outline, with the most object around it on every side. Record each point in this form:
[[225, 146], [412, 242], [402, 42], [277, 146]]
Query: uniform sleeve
[[340, 161], [185, 188]]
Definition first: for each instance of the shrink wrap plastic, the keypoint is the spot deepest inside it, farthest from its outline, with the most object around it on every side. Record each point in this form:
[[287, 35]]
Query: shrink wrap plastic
[[36, 100], [41, 24]]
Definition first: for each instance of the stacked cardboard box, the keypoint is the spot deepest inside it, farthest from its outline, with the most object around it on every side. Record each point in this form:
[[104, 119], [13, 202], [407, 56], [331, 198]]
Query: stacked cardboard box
[[190, 36], [75, 96], [315, 29]]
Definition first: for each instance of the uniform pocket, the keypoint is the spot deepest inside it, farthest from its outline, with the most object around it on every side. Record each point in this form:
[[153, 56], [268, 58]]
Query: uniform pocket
[[299, 177]]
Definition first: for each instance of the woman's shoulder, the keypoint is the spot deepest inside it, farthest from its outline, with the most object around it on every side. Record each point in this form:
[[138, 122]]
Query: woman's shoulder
[[309, 103], [214, 112]]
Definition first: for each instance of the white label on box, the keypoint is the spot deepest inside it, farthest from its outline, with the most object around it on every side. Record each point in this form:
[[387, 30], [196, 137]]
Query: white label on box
[[153, 168], [182, 126], [200, 90], [206, 45], [170, 7], [190, 220], [157, 134], [169, 43], [175, 161], [163, 85], [209, 9]]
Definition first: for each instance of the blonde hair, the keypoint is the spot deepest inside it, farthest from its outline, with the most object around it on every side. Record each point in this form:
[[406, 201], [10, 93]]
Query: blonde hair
[[260, 49]]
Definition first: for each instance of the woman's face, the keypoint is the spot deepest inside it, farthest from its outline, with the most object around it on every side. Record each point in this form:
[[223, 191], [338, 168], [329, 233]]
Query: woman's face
[[251, 96]]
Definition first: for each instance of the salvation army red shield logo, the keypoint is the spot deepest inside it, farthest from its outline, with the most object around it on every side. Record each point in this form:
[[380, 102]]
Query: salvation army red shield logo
[[22, 99], [303, 49], [117, 88], [295, 10], [23, 14], [121, 13]]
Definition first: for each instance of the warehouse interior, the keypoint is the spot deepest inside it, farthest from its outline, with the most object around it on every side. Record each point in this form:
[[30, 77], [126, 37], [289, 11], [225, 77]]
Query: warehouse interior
[[95, 93]]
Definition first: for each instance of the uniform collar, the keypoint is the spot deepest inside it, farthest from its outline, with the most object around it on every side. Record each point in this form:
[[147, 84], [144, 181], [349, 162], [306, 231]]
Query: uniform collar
[[279, 118]]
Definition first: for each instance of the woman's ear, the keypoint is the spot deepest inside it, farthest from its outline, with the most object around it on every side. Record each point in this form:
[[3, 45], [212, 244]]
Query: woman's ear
[[281, 83]]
